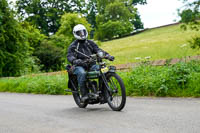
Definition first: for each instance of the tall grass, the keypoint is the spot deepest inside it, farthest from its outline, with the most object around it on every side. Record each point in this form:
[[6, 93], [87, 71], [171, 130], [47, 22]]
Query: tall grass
[[179, 80], [162, 43], [41, 84]]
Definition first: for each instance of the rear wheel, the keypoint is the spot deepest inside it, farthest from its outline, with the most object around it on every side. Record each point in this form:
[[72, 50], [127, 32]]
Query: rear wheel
[[117, 96]]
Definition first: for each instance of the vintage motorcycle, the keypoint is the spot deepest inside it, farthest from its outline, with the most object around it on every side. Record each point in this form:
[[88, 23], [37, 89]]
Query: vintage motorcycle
[[104, 85]]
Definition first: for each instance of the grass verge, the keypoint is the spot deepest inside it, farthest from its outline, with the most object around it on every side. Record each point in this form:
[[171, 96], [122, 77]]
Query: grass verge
[[41, 84], [179, 80]]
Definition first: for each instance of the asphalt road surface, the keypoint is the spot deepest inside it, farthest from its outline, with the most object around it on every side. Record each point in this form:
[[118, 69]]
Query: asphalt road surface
[[26, 113]]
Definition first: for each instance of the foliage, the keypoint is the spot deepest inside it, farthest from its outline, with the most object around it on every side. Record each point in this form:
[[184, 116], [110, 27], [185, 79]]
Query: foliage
[[114, 14], [50, 56], [44, 14], [39, 84], [137, 22], [175, 80], [142, 2], [179, 80], [14, 48], [190, 16], [65, 32], [33, 34], [113, 29], [95, 7], [35, 39], [91, 12]]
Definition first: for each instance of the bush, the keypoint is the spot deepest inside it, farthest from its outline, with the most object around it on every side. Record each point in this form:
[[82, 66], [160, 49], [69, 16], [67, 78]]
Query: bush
[[51, 57], [113, 29], [175, 80], [179, 80]]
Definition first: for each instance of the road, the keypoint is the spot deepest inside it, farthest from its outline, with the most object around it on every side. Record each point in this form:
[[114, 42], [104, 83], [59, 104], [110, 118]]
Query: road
[[28, 113]]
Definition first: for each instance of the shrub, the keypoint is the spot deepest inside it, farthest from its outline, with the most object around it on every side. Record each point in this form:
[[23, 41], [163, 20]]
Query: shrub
[[14, 48], [175, 80], [51, 57]]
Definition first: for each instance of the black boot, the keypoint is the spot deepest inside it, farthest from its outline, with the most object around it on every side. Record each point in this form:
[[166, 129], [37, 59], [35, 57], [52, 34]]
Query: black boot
[[84, 93]]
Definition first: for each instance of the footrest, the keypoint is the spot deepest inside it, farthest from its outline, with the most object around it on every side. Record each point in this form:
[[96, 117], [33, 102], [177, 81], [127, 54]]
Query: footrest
[[67, 90]]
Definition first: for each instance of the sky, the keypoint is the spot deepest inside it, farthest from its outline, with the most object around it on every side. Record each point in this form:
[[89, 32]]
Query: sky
[[158, 12]]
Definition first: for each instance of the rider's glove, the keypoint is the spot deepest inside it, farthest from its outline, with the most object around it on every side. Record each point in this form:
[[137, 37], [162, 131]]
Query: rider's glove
[[90, 60], [110, 58], [78, 62]]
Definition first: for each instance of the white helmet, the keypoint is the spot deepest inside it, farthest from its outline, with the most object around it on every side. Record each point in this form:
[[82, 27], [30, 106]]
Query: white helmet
[[80, 32]]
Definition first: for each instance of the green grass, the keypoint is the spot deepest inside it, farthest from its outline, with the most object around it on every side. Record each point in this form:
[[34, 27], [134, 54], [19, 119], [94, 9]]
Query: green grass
[[161, 43], [179, 80], [38, 84]]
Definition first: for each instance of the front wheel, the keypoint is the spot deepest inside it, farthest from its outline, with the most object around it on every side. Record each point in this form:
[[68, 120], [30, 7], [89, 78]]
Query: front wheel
[[116, 96]]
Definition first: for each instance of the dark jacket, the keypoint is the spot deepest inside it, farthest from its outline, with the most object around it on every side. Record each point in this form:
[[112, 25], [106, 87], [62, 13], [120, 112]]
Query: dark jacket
[[87, 47]]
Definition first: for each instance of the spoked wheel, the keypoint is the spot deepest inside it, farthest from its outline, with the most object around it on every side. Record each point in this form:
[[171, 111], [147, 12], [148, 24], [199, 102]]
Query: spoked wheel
[[77, 99], [117, 97]]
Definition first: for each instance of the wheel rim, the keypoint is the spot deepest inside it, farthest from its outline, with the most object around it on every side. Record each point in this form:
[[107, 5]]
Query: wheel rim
[[115, 97]]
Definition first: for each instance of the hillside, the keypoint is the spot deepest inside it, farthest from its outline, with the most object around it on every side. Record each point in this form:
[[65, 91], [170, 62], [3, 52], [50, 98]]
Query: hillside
[[161, 43]]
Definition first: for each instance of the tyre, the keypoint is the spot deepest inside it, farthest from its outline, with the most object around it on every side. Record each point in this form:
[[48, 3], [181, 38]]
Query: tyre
[[77, 98], [117, 97]]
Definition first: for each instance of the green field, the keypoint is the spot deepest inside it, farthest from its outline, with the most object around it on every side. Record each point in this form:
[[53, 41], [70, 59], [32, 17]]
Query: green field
[[161, 43]]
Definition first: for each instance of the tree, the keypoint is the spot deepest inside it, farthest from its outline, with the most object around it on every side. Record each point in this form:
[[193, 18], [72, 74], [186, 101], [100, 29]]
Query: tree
[[53, 50], [136, 2], [190, 16], [92, 12], [65, 32], [96, 7], [33, 34], [46, 14], [14, 48], [115, 16]]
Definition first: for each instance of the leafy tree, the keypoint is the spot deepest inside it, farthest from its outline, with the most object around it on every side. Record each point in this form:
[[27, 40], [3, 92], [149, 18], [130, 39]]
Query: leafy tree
[[190, 16], [14, 48], [115, 16], [52, 51], [65, 32], [46, 14], [136, 2], [137, 22], [33, 34], [96, 7], [92, 12], [113, 29]]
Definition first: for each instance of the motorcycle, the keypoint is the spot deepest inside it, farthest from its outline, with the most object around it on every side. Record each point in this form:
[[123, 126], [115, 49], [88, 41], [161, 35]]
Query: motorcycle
[[104, 85]]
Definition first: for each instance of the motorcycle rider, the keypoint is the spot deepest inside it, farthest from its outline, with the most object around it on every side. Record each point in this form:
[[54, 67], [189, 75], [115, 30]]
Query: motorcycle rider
[[77, 56]]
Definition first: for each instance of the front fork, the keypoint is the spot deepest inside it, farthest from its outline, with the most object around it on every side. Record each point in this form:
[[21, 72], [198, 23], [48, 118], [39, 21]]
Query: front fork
[[105, 81]]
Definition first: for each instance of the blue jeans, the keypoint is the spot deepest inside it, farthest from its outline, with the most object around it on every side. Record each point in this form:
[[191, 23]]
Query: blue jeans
[[81, 77]]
